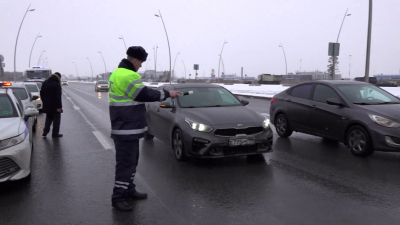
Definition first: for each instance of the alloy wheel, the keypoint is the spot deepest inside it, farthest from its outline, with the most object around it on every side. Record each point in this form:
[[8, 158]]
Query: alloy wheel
[[281, 125], [178, 146], [357, 141]]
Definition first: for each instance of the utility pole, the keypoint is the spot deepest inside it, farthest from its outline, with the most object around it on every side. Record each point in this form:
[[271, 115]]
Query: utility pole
[[368, 42]]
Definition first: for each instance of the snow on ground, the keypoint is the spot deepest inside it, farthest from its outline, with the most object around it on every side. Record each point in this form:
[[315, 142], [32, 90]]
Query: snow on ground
[[269, 91]]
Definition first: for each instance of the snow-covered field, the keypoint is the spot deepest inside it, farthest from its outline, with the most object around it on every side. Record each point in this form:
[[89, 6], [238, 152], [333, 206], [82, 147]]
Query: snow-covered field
[[269, 91]]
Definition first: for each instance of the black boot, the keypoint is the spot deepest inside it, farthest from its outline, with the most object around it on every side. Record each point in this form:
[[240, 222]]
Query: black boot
[[57, 135], [137, 195], [122, 206]]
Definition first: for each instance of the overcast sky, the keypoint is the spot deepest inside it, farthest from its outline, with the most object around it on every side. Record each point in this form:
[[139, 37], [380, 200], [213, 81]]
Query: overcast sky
[[74, 30]]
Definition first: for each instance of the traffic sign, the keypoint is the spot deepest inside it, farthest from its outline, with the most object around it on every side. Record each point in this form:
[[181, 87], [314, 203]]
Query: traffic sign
[[1, 58]]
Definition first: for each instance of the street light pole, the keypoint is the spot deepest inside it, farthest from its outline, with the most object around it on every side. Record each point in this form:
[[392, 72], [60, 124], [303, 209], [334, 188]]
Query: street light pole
[[44, 60], [337, 40], [174, 63], [368, 42], [284, 56], [122, 37], [155, 61], [38, 36], [169, 48], [40, 57], [184, 68], [349, 65], [220, 55], [76, 68], [90, 67], [105, 68], [16, 42]]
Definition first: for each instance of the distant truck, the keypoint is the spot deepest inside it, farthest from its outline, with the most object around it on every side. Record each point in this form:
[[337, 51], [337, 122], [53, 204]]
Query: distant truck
[[269, 79], [372, 80]]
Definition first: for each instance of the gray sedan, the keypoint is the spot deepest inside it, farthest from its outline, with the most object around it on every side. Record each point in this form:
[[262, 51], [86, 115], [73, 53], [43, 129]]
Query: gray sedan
[[210, 123]]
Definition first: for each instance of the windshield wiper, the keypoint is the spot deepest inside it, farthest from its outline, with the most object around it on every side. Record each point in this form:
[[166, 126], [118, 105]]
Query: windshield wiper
[[388, 103], [361, 103], [214, 106]]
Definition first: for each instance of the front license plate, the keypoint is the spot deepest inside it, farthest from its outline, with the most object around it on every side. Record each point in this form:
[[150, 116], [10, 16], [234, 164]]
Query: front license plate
[[240, 142]]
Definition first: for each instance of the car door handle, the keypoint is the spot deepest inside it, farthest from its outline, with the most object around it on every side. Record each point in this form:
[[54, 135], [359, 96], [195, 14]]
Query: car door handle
[[148, 105], [289, 100], [314, 106], [158, 109]]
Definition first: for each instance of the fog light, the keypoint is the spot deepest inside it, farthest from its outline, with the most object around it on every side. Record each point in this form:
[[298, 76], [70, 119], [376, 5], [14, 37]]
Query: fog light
[[217, 151]]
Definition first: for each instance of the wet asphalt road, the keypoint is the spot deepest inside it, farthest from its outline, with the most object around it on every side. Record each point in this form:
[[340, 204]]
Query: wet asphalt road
[[306, 180]]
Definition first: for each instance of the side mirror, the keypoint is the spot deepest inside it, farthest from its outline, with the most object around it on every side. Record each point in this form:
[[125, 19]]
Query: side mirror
[[30, 112], [35, 97], [245, 102], [334, 101], [166, 105]]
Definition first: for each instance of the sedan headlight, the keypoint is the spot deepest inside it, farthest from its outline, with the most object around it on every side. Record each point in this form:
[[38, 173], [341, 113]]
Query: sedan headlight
[[265, 124], [198, 126], [12, 141], [38, 99], [383, 121], [99, 86]]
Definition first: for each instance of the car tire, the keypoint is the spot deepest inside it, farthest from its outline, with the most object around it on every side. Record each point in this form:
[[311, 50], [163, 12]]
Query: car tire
[[282, 126], [177, 146], [149, 137], [359, 141]]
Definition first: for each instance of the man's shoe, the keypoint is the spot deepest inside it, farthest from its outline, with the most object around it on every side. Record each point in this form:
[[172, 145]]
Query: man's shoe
[[122, 206], [57, 135], [137, 196]]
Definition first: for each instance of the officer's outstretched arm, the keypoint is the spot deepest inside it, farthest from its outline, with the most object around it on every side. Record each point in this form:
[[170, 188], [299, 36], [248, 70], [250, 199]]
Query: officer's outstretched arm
[[150, 95]]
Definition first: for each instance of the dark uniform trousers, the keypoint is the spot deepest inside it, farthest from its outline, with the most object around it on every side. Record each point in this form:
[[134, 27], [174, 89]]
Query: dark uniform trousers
[[127, 156], [54, 118]]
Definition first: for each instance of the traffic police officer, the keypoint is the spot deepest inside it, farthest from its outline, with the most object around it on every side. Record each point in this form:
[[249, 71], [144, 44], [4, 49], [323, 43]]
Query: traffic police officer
[[127, 96]]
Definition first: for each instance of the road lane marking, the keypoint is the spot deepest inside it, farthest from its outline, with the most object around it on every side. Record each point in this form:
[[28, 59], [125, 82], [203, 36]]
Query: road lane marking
[[75, 107], [102, 140], [84, 92], [266, 115]]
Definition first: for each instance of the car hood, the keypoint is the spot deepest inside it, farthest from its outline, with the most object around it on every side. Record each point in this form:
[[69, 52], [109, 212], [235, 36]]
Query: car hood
[[11, 127], [390, 110], [223, 115]]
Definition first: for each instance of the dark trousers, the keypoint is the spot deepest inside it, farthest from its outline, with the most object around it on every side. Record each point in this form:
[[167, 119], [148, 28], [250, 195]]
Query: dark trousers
[[127, 157], [54, 118]]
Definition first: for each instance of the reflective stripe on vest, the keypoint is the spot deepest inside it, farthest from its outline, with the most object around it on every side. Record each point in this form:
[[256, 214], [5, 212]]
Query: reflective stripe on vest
[[130, 103], [129, 132]]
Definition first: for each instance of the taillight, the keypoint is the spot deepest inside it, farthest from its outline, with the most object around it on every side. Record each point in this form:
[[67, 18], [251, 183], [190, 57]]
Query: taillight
[[273, 100]]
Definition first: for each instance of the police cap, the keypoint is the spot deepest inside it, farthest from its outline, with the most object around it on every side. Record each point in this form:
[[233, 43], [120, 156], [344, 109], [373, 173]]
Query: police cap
[[137, 52]]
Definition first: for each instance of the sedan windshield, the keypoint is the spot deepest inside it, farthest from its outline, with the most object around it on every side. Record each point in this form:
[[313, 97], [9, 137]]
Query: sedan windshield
[[103, 82], [207, 97], [21, 93], [32, 87], [365, 94]]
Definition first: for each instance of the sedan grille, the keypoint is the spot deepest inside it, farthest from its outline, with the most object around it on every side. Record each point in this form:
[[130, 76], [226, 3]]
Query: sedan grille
[[7, 167], [234, 132]]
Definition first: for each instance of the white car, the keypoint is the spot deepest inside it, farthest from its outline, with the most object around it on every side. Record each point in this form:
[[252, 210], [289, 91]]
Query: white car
[[16, 142], [34, 89], [28, 101], [64, 82]]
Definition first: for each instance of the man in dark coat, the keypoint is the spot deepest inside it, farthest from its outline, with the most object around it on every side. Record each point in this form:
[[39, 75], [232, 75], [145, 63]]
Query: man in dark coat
[[52, 105]]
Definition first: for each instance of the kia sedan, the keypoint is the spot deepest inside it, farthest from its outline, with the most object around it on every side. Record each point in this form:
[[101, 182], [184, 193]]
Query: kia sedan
[[361, 115], [209, 123], [101, 85]]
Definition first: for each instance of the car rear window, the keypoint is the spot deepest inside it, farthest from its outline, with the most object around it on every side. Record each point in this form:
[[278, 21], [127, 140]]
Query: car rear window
[[323, 92], [7, 108], [302, 91], [32, 87]]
